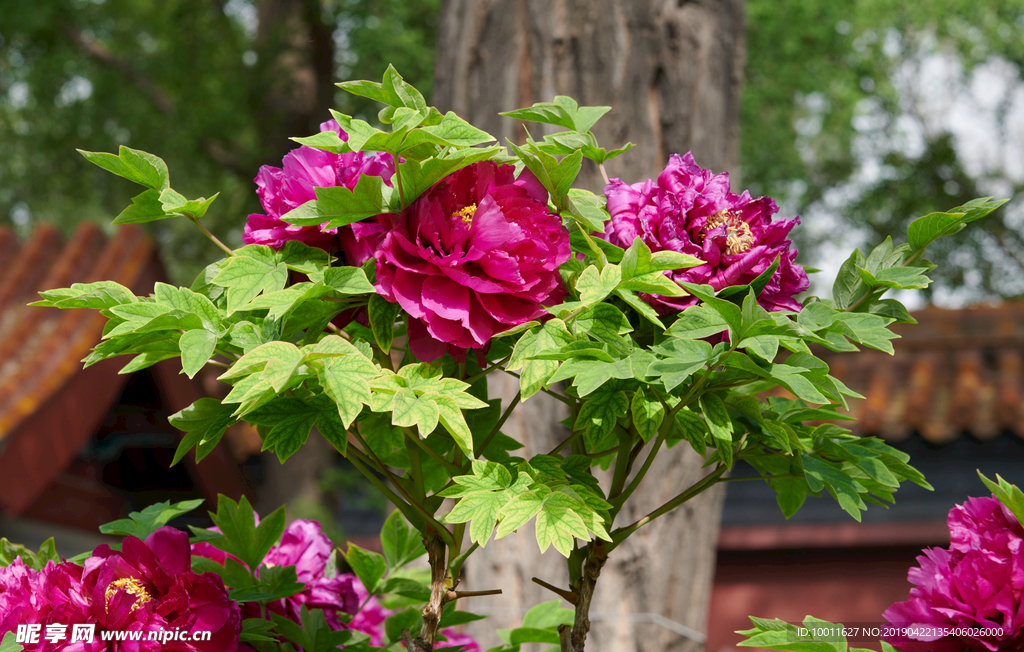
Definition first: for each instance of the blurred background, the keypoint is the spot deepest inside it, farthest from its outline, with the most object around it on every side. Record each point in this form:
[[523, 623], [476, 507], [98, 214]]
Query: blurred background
[[857, 116]]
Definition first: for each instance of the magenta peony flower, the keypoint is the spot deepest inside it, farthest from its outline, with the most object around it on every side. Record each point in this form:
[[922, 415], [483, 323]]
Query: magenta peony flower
[[691, 210], [304, 546], [475, 255], [286, 188], [977, 583], [370, 618], [150, 586]]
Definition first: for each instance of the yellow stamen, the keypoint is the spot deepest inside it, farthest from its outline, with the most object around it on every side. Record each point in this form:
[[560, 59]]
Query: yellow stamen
[[466, 213], [132, 587], [738, 238]]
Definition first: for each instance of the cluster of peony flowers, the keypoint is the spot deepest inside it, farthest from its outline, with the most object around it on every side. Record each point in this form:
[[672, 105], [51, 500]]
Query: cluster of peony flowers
[[146, 586], [692, 211], [977, 583], [479, 252], [150, 587]]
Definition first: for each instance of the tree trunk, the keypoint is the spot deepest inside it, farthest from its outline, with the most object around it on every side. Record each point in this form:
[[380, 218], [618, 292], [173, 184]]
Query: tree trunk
[[671, 71]]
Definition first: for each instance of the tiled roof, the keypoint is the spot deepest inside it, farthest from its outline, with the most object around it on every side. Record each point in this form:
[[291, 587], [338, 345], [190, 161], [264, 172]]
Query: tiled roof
[[954, 372], [49, 405], [42, 348]]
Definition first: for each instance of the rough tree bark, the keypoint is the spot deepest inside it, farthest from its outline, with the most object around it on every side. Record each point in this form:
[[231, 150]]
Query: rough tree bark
[[296, 53], [671, 70]]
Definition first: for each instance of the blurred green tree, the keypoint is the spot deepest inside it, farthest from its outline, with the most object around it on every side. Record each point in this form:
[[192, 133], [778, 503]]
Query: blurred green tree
[[861, 115], [215, 88]]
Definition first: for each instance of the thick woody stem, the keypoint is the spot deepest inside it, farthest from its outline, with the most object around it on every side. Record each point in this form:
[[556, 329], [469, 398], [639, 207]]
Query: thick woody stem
[[438, 593], [596, 558]]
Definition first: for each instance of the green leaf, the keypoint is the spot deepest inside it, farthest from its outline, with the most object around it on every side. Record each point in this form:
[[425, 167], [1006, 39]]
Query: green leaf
[[7, 644], [453, 421], [518, 512], [345, 379], [196, 350], [246, 277], [648, 414], [132, 164], [1008, 494], [411, 410], [400, 543], [340, 206], [598, 416], [925, 230], [849, 286], [900, 278], [558, 523], [552, 335], [204, 422], [683, 357], [368, 566], [594, 286], [145, 208], [727, 310], [175, 203], [790, 493], [257, 629], [300, 257], [545, 112], [456, 131], [720, 424], [149, 520], [97, 296], [382, 314]]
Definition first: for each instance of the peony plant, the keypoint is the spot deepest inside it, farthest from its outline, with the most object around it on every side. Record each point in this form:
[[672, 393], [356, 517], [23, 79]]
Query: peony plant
[[395, 269], [968, 597]]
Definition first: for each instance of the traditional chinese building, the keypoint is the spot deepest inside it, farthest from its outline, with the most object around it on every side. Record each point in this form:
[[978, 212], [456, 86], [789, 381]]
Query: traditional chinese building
[[81, 447], [951, 398]]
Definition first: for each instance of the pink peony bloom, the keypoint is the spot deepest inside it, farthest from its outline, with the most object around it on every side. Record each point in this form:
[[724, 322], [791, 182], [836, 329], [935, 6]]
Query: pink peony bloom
[[475, 255], [370, 618], [692, 211], [51, 597], [304, 546], [288, 187], [147, 587], [150, 586], [977, 583]]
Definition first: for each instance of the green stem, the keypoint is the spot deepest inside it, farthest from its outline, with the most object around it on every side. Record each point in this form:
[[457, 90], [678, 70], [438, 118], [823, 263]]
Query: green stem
[[442, 531], [455, 565], [565, 442], [398, 180], [431, 453], [212, 237], [497, 365], [564, 399], [623, 462], [619, 500], [402, 506], [416, 469], [620, 535], [494, 431]]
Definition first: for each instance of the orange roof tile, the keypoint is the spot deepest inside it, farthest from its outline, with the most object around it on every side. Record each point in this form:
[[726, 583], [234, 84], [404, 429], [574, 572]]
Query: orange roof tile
[[954, 372]]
